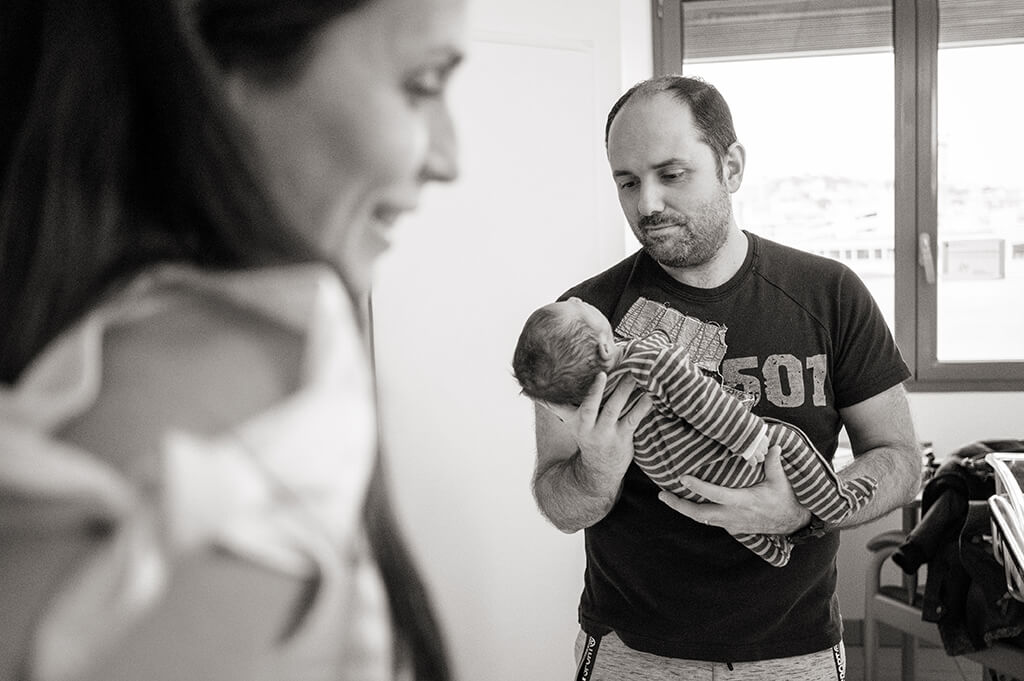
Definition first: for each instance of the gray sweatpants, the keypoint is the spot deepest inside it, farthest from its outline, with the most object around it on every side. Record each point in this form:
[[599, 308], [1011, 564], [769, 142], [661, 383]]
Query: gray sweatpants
[[612, 660]]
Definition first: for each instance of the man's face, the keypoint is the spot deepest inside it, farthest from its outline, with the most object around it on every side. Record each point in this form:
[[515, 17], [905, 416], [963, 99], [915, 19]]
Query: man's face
[[669, 185]]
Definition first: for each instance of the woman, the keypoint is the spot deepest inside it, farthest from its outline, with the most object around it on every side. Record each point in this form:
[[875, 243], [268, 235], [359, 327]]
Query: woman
[[193, 195]]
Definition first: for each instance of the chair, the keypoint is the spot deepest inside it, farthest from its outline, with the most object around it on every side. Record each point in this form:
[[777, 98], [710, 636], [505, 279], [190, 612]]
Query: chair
[[898, 606]]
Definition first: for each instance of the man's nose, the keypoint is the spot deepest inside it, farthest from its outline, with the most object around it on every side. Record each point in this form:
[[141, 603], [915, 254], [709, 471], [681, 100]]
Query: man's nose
[[650, 201]]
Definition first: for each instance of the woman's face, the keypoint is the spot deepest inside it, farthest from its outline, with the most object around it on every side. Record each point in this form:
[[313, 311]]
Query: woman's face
[[349, 143]]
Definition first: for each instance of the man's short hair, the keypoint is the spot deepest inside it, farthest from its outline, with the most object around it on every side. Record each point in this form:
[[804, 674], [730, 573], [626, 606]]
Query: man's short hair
[[710, 111]]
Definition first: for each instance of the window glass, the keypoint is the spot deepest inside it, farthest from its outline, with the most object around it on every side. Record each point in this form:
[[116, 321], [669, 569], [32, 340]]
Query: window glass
[[816, 89], [816, 119], [980, 233]]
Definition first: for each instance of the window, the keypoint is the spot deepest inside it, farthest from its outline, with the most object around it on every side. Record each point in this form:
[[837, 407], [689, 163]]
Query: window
[[883, 133], [980, 209]]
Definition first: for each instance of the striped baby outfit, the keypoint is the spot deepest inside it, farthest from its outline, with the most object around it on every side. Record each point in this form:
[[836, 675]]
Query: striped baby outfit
[[697, 428]]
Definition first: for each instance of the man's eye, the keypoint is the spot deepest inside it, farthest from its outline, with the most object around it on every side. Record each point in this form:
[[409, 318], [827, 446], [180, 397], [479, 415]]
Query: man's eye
[[627, 184], [673, 175]]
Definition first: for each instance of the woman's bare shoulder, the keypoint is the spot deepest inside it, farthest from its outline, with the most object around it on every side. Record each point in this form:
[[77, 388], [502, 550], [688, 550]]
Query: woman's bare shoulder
[[200, 365]]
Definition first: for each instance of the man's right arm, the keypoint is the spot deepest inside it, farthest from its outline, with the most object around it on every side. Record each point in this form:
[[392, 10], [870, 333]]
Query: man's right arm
[[583, 454]]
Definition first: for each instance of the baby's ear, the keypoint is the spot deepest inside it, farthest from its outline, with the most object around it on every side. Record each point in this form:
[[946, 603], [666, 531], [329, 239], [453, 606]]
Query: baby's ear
[[606, 349]]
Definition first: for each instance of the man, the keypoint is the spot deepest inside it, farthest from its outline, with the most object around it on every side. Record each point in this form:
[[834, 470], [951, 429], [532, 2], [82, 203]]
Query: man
[[667, 592]]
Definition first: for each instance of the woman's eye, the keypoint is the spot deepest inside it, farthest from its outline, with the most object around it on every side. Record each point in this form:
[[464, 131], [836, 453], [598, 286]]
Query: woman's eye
[[429, 80], [425, 85]]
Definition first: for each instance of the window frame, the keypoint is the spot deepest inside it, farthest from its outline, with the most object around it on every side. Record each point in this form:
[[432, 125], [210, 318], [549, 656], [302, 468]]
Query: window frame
[[915, 49]]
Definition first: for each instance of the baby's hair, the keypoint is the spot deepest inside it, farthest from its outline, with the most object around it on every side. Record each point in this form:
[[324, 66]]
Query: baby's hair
[[556, 359]]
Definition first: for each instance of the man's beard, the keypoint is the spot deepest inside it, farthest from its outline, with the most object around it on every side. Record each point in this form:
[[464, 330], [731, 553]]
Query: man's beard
[[699, 237]]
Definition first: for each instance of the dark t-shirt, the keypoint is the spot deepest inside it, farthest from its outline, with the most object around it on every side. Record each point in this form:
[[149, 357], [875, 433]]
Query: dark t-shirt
[[803, 335]]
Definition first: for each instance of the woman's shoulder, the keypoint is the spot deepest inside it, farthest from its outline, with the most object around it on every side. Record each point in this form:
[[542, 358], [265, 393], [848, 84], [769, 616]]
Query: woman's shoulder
[[201, 359], [198, 364]]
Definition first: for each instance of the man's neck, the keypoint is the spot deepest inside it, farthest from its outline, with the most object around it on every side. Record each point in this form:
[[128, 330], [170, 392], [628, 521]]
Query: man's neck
[[719, 269]]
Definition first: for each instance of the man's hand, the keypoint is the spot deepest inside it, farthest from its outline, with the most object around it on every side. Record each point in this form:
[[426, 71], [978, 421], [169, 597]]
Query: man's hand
[[583, 455], [604, 434], [769, 507]]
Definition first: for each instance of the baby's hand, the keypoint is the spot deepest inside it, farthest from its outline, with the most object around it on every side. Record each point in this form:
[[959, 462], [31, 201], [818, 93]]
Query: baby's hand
[[756, 452]]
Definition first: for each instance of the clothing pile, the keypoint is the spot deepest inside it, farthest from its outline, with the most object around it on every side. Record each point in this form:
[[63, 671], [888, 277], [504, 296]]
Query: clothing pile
[[966, 592]]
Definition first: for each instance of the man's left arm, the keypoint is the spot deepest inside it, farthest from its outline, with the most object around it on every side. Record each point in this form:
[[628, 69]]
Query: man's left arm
[[885, 448], [884, 445]]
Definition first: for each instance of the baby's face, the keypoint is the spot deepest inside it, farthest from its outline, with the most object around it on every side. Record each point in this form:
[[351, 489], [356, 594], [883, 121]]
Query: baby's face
[[589, 315]]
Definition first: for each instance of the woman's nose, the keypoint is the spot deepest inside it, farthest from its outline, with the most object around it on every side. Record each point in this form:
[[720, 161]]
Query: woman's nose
[[442, 164]]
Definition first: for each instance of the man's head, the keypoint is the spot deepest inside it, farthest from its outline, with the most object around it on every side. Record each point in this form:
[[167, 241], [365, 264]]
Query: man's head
[[675, 160], [561, 350], [711, 116]]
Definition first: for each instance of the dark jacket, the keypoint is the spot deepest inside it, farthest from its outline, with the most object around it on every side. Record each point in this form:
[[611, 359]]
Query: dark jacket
[[965, 591]]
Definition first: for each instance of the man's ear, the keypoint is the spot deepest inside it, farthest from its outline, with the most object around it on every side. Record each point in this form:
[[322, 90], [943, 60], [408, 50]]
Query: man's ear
[[733, 165]]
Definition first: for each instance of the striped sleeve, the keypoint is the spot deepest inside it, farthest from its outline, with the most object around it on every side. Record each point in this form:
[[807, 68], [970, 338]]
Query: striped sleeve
[[701, 402]]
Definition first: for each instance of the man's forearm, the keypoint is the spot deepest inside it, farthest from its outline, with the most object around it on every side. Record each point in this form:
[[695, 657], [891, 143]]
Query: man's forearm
[[573, 496], [898, 474]]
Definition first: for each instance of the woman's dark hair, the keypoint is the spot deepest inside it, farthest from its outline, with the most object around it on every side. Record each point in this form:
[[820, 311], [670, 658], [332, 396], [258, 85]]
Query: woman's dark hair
[[710, 111], [117, 151], [418, 636]]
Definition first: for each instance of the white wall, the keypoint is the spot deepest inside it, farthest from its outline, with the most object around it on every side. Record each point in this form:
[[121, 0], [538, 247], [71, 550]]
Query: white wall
[[533, 212]]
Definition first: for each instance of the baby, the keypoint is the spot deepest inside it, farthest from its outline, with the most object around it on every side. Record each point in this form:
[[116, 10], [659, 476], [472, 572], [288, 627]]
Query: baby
[[695, 428]]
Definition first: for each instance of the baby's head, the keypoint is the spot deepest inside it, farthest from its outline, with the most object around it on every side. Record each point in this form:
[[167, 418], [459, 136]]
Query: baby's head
[[561, 350]]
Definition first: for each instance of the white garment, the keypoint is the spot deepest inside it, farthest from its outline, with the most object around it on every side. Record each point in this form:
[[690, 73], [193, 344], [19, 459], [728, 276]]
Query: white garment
[[283, 489]]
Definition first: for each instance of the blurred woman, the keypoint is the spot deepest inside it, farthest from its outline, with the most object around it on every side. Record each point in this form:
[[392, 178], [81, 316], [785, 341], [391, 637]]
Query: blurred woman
[[193, 195]]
